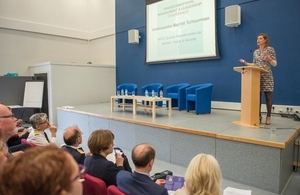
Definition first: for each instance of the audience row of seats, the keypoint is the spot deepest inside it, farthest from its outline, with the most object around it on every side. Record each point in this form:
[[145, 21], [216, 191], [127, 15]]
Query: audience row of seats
[[183, 95], [96, 186]]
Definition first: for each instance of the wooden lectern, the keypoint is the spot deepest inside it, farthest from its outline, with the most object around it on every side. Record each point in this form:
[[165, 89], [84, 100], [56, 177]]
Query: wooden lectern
[[250, 95]]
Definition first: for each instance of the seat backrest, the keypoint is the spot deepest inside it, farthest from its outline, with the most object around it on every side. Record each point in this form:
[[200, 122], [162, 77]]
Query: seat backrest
[[192, 89], [93, 186], [176, 87], [152, 86], [129, 86], [113, 190]]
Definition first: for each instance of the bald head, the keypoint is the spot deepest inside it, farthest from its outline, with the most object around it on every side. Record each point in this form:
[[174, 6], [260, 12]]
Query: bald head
[[7, 123], [142, 154], [72, 136], [3, 108]]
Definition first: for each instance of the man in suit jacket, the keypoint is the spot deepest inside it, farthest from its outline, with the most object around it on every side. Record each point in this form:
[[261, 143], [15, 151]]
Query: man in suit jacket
[[72, 139], [139, 182]]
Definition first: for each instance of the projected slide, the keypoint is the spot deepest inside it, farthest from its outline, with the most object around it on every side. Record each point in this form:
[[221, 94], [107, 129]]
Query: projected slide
[[179, 30]]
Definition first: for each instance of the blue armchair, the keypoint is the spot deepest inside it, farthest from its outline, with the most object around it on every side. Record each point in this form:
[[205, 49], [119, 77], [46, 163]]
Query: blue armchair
[[198, 98], [157, 87], [130, 88], [177, 94]]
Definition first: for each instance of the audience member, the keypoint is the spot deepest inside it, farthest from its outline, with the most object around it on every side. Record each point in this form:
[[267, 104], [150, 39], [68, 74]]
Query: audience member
[[101, 144], [203, 177], [7, 123], [139, 182], [43, 170], [38, 136], [8, 129], [72, 139], [21, 133]]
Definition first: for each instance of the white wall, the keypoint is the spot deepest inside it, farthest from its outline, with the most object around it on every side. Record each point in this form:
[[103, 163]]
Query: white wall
[[102, 50], [49, 12], [72, 84], [77, 31]]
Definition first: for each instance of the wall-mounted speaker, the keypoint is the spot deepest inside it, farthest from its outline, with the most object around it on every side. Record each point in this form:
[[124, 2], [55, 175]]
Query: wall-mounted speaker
[[133, 36], [233, 16]]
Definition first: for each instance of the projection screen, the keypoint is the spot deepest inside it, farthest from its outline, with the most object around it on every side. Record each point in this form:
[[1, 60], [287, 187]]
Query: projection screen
[[180, 30]]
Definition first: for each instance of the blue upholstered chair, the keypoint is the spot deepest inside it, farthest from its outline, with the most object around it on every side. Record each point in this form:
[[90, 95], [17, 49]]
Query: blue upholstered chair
[[177, 94], [157, 87], [130, 88], [198, 98]]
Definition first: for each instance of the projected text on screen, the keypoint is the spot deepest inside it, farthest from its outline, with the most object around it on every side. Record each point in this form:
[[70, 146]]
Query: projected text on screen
[[180, 30]]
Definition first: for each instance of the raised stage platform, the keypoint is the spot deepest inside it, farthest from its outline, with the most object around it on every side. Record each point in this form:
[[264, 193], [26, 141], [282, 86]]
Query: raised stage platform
[[250, 156]]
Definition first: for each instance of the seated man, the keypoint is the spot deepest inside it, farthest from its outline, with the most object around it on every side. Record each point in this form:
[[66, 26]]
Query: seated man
[[7, 129], [38, 136], [21, 133], [139, 182], [72, 139]]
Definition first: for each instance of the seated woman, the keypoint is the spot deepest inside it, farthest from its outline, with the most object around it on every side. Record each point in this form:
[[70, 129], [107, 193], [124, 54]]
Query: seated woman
[[101, 143], [203, 177], [43, 170], [38, 136]]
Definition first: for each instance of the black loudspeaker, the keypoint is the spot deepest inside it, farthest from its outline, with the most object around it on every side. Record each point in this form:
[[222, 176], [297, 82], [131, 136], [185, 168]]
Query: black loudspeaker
[[233, 16], [133, 36]]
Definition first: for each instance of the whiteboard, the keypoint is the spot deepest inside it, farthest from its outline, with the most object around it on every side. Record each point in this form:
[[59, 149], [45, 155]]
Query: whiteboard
[[33, 94]]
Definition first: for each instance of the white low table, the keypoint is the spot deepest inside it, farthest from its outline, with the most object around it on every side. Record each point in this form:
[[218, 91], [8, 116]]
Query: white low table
[[137, 103], [114, 98], [152, 106]]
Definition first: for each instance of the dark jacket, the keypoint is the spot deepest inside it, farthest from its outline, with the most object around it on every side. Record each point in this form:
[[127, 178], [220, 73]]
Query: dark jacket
[[78, 154], [99, 166], [136, 184]]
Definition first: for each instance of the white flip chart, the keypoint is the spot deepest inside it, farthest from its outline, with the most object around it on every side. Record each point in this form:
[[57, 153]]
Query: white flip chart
[[33, 94]]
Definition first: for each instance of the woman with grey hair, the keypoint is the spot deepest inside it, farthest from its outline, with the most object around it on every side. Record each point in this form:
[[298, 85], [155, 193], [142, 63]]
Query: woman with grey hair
[[38, 136]]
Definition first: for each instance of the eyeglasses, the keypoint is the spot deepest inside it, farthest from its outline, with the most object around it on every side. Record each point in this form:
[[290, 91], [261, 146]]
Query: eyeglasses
[[9, 116], [80, 175]]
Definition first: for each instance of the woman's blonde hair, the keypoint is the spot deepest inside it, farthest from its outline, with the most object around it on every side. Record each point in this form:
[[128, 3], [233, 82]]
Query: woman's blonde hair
[[203, 176]]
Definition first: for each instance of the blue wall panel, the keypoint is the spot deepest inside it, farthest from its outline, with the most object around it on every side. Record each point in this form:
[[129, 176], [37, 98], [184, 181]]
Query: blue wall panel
[[278, 18]]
